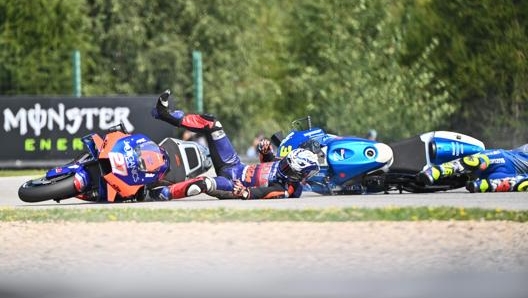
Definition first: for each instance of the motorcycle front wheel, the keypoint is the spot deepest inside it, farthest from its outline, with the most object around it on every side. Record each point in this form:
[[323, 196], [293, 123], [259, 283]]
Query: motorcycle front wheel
[[43, 189]]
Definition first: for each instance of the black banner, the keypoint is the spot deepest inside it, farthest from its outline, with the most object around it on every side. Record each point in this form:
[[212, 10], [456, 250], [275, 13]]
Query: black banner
[[41, 131]]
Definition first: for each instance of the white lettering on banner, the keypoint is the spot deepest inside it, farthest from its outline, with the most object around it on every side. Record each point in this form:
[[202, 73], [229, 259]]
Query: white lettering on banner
[[54, 116], [70, 120], [36, 118], [11, 120]]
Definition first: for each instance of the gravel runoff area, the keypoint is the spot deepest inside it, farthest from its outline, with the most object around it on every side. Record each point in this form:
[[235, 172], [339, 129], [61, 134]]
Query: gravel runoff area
[[268, 259]]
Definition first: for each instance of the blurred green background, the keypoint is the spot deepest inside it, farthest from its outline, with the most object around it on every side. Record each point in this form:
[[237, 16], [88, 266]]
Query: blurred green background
[[400, 67]]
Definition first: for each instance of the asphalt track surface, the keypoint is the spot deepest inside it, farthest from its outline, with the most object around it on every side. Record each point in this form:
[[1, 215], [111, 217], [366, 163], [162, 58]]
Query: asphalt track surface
[[455, 198], [509, 284]]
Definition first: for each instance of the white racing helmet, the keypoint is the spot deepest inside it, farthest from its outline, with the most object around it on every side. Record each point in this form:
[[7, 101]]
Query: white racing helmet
[[299, 164]]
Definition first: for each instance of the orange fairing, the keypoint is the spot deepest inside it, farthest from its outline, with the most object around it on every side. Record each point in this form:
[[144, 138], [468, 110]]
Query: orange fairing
[[116, 185], [110, 193], [109, 143]]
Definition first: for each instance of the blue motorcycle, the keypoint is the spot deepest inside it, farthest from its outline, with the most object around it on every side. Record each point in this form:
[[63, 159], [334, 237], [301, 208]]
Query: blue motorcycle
[[352, 165]]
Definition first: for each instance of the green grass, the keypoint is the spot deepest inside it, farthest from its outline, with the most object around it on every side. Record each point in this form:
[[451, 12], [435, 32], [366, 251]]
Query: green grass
[[28, 172], [260, 215]]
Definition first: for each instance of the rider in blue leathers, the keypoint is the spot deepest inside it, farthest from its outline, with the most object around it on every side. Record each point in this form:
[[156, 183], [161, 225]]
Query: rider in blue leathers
[[492, 170], [268, 179]]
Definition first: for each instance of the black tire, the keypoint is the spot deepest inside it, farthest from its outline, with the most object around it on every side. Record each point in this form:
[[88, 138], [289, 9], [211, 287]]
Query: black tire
[[42, 189], [418, 188]]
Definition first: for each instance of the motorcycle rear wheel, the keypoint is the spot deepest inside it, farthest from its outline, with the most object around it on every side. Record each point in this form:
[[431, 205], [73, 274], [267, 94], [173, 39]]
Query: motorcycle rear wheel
[[43, 189]]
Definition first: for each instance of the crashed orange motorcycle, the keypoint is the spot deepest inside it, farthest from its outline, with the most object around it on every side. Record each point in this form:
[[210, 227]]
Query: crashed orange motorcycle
[[119, 167]]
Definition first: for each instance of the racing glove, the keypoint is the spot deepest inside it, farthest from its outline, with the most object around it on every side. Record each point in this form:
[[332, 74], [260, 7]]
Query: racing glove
[[265, 151], [240, 191], [264, 146]]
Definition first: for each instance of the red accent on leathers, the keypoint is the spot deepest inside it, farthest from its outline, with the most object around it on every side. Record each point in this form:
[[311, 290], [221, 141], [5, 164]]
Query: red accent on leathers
[[196, 121], [503, 186], [179, 190]]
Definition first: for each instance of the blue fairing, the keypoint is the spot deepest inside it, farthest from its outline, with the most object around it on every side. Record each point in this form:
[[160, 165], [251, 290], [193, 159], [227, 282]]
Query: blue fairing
[[62, 171], [318, 183], [90, 145], [77, 167], [449, 149], [347, 157], [296, 138]]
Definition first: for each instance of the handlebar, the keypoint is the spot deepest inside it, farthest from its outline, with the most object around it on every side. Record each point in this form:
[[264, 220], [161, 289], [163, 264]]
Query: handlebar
[[119, 127], [297, 123]]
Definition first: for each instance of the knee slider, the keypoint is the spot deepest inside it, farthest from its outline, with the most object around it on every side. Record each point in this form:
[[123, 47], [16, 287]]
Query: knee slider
[[203, 185], [211, 118], [187, 188], [196, 188], [193, 189], [210, 184]]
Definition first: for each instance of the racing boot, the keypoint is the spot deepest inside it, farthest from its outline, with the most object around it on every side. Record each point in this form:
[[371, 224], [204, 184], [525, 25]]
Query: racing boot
[[161, 193], [522, 185], [495, 185], [187, 188], [480, 185], [429, 175], [162, 105], [162, 112]]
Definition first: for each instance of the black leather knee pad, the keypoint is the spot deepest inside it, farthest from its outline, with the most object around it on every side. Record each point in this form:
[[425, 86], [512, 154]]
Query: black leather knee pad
[[209, 117]]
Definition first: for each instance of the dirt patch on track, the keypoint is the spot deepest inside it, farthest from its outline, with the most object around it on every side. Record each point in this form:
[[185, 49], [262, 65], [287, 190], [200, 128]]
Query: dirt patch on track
[[372, 246], [260, 251]]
